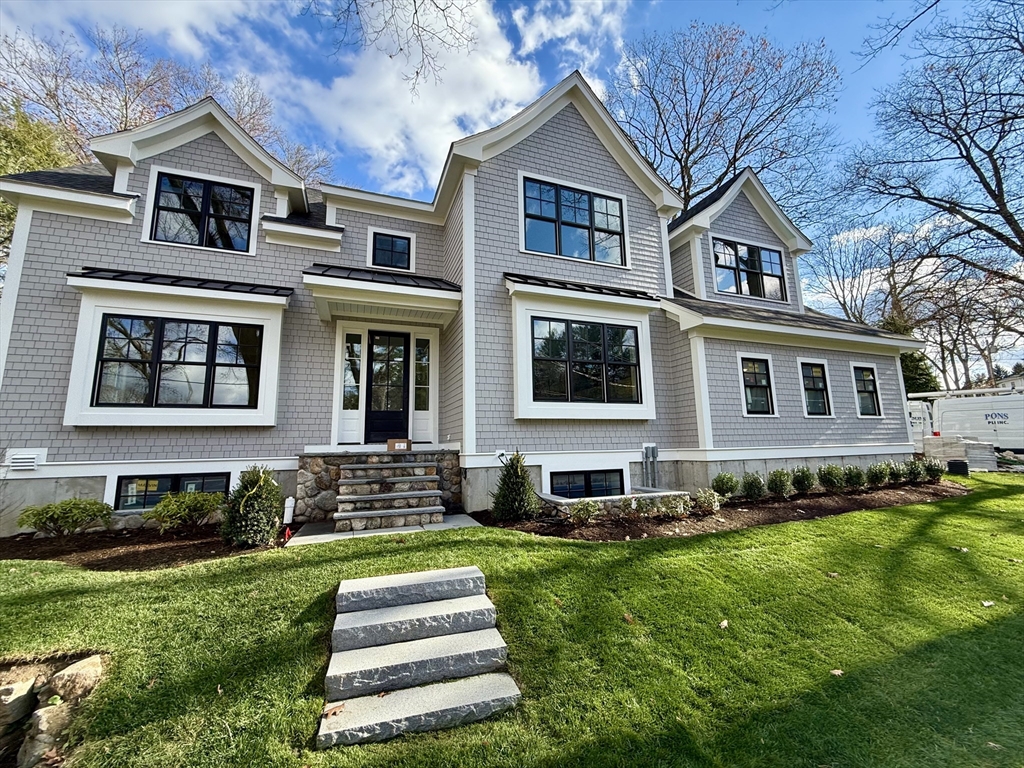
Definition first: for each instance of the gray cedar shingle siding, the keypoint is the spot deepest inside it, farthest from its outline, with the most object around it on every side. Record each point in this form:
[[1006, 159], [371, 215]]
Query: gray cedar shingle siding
[[732, 430], [429, 241], [565, 149], [46, 318], [450, 416], [740, 221], [682, 267]]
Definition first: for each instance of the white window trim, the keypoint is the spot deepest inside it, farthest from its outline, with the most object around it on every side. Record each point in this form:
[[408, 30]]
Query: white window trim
[[363, 328], [878, 389], [211, 307], [523, 175], [828, 386], [771, 380], [371, 231], [147, 222], [524, 306], [714, 270]]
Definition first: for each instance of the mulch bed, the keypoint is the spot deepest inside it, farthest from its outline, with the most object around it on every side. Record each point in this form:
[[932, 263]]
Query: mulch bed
[[734, 515], [137, 550]]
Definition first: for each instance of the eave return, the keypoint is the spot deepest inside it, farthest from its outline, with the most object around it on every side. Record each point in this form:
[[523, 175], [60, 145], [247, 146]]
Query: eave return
[[373, 294]]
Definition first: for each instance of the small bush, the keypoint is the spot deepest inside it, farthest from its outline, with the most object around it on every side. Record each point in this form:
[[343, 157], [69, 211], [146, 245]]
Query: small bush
[[916, 472], [725, 484], [253, 512], [753, 486], [878, 474], [897, 471], [780, 483], [63, 518], [515, 499], [188, 511], [934, 469], [803, 480], [706, 501], [643, 506], [855, 477], [831, 476], [676, 506], [583, 511]]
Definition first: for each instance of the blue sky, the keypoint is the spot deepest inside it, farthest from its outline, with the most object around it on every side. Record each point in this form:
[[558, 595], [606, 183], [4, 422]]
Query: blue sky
[[387, 139]]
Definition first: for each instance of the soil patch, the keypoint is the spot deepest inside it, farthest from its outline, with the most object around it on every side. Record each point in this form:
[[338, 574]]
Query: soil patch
[[138, 550], [733, 515]]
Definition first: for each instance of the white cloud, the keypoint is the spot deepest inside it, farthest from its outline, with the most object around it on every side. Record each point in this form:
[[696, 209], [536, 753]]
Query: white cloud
[[405, 137]]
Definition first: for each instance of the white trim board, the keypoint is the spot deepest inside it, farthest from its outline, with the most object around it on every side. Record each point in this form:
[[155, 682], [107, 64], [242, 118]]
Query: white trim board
[[89, 205], [9, 298], [469, 311], [808, 452], [279, 233]]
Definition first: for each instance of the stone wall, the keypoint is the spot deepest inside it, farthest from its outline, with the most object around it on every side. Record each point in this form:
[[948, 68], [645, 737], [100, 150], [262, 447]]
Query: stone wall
[[613, 506], [316, 492]]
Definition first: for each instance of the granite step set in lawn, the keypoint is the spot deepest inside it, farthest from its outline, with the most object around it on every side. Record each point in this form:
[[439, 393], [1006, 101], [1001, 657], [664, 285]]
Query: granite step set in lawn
[[413, 652]]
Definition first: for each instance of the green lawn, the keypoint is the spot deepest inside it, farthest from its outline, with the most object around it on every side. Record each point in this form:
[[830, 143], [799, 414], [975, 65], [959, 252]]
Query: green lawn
[[222, 664]]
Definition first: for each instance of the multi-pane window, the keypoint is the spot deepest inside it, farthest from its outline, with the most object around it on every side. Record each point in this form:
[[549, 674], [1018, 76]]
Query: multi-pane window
[[757, 387], [421, 394], [391, 251], [353, 361], [208, 214], [163, 362], [867, 391], [815, 389], [579, 485], [748, 270], [585, 362], [568, 222], [137, 493]]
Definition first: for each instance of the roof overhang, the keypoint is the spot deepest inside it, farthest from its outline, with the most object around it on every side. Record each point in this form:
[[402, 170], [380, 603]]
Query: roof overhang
[[93, 205], [748, 183], [282, 233], [728, 327], [345, 297], [133, 146], [519, 289], [93, 284]]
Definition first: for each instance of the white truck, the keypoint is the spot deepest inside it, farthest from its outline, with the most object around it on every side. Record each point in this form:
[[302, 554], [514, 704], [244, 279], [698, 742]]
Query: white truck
[[990, 415]]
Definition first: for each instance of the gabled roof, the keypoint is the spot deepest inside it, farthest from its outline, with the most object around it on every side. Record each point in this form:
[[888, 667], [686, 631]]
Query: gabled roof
[[469, 152], [699, 216], [165, 133]]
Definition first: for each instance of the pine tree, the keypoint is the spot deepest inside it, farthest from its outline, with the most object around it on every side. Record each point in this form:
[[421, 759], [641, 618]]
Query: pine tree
[[515, 498]]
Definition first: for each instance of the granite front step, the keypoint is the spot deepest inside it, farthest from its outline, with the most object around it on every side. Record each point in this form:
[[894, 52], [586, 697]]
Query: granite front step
[[390, 480], [364, 671], [389, 512], [389, 465], [428, 708], [408, 588], [389, 496], [401, 623]]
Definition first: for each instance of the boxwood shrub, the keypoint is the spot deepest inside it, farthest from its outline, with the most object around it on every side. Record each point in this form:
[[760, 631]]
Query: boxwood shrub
[[725, 484], [780, 483], [878, 474], [752, 486], [916, 472], [803, 480], [934, 469], [855, 477], [831, 476]]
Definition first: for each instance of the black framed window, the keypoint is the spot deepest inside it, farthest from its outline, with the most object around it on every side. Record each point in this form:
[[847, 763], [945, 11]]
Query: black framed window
[[757, 387], [137, 493], [586, 484], [867, 391], [815, 389], [568, 222], [203, 213], [585, 362], [169, 363], [748, 270], [392, 251]]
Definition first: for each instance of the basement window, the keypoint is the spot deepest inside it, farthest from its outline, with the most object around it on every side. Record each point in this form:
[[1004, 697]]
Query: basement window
[[138, 493], [587, 483]]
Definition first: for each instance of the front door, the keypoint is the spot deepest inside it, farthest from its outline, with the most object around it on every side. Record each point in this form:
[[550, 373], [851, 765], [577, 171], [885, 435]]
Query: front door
[[387, 408]]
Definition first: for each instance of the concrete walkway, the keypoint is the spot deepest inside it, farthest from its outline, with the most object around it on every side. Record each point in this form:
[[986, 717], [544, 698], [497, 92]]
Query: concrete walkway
[[319, 533]]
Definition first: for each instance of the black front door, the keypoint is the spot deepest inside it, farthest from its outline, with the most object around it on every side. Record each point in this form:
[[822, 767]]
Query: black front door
[[387, 410]]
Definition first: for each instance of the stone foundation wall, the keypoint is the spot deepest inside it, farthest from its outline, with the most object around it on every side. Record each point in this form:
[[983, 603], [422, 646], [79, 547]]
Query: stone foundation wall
[[612, 506], [316, 492]]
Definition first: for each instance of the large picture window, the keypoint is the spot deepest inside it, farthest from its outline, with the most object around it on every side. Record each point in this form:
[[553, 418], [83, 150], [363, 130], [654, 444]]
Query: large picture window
[[585, 362], [203, 213], [757, 386], [580, 485], [138, 493], [866, 383], [167, 363], [567, 222], [748, 270], [815, 382]]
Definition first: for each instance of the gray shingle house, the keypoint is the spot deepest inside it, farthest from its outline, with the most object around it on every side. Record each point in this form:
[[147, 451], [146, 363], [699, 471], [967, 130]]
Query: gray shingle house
[[186, 307]]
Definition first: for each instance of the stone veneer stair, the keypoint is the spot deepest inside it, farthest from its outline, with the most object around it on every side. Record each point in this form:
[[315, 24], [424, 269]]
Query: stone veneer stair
[[413, 652], [391, 494]]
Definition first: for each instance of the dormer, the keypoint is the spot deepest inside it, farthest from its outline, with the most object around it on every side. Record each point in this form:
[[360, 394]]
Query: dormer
[[737, 246]]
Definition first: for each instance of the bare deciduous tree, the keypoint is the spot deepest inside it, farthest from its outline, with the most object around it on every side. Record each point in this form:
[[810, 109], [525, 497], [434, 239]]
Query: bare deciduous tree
[[416, 30], [952, 138], [705, 102]]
